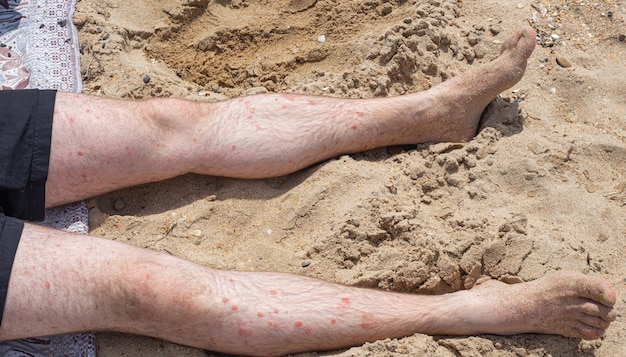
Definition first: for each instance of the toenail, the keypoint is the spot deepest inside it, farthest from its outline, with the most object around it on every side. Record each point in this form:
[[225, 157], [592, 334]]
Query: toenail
[[602, 298]]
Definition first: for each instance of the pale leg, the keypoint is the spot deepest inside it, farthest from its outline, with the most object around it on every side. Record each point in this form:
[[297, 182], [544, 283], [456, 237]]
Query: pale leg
[[100, 144], [64, 283]]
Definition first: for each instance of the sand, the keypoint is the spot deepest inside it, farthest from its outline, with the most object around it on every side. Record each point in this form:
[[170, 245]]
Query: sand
[[542, 187]]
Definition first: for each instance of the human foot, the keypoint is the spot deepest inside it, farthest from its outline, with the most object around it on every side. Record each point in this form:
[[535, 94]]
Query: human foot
[[457, 104], [563, 303]]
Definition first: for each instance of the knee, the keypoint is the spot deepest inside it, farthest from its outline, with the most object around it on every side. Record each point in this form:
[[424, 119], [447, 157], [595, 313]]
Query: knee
[[153, 291], [172, 115]]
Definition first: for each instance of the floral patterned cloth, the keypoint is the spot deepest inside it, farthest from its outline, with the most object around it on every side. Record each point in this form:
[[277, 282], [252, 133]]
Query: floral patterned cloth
[[39, 49]]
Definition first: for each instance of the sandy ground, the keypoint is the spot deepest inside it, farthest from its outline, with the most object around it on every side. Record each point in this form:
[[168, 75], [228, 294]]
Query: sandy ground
[[541, 188]]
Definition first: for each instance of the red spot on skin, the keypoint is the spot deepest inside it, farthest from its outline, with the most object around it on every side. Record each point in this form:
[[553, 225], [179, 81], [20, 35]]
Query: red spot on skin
[[276, 311], [289, 97], [273, 292], [344, 303], [245, 332], [260, 314], [234, 147], [307, 331], [194, 140], [360, 114], [80, 153], [333, 321], [56, 111], [249, 117], [71, 120], [284, 106], [368, 325], [311, 102], [84, 176], [46, 285], [354, 127], [87, 110], [225, 300], [298, 324], [234, 308], [369, 322], [273, 325], [231, 280]]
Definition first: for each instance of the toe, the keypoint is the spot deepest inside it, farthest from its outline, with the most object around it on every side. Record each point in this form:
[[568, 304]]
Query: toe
[[595, 322], [598, 310], [601, 293], [524, 36], [588, 332], [593, 288], [612, 315]]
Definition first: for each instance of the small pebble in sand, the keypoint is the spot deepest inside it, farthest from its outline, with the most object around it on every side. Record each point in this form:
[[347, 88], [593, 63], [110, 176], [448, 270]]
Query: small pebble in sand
[[563, 62], [306, 263], [146, 78], [622, 37], [385, 9], [119, 204], [321, 38]]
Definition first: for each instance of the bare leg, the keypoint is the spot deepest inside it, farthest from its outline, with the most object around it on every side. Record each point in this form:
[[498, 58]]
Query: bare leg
[[62, 283], [103, 144]]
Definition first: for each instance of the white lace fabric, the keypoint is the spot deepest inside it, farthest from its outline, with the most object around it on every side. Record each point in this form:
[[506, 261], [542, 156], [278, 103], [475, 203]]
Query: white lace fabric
[[39, 49]]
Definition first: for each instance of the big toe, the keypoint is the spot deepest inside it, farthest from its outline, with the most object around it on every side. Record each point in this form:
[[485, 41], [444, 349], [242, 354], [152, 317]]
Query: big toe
[[521, 42], [599, 290], [593, 288]]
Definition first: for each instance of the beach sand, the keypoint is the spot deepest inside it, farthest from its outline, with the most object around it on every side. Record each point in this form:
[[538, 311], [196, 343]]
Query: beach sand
[[541, 188]]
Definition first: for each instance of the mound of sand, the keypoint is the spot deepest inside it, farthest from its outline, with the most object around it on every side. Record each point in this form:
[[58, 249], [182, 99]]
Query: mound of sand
[[542, 187]]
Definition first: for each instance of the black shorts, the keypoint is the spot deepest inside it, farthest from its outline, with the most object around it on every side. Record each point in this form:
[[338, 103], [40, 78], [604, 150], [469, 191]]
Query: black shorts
[[25, 137]]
